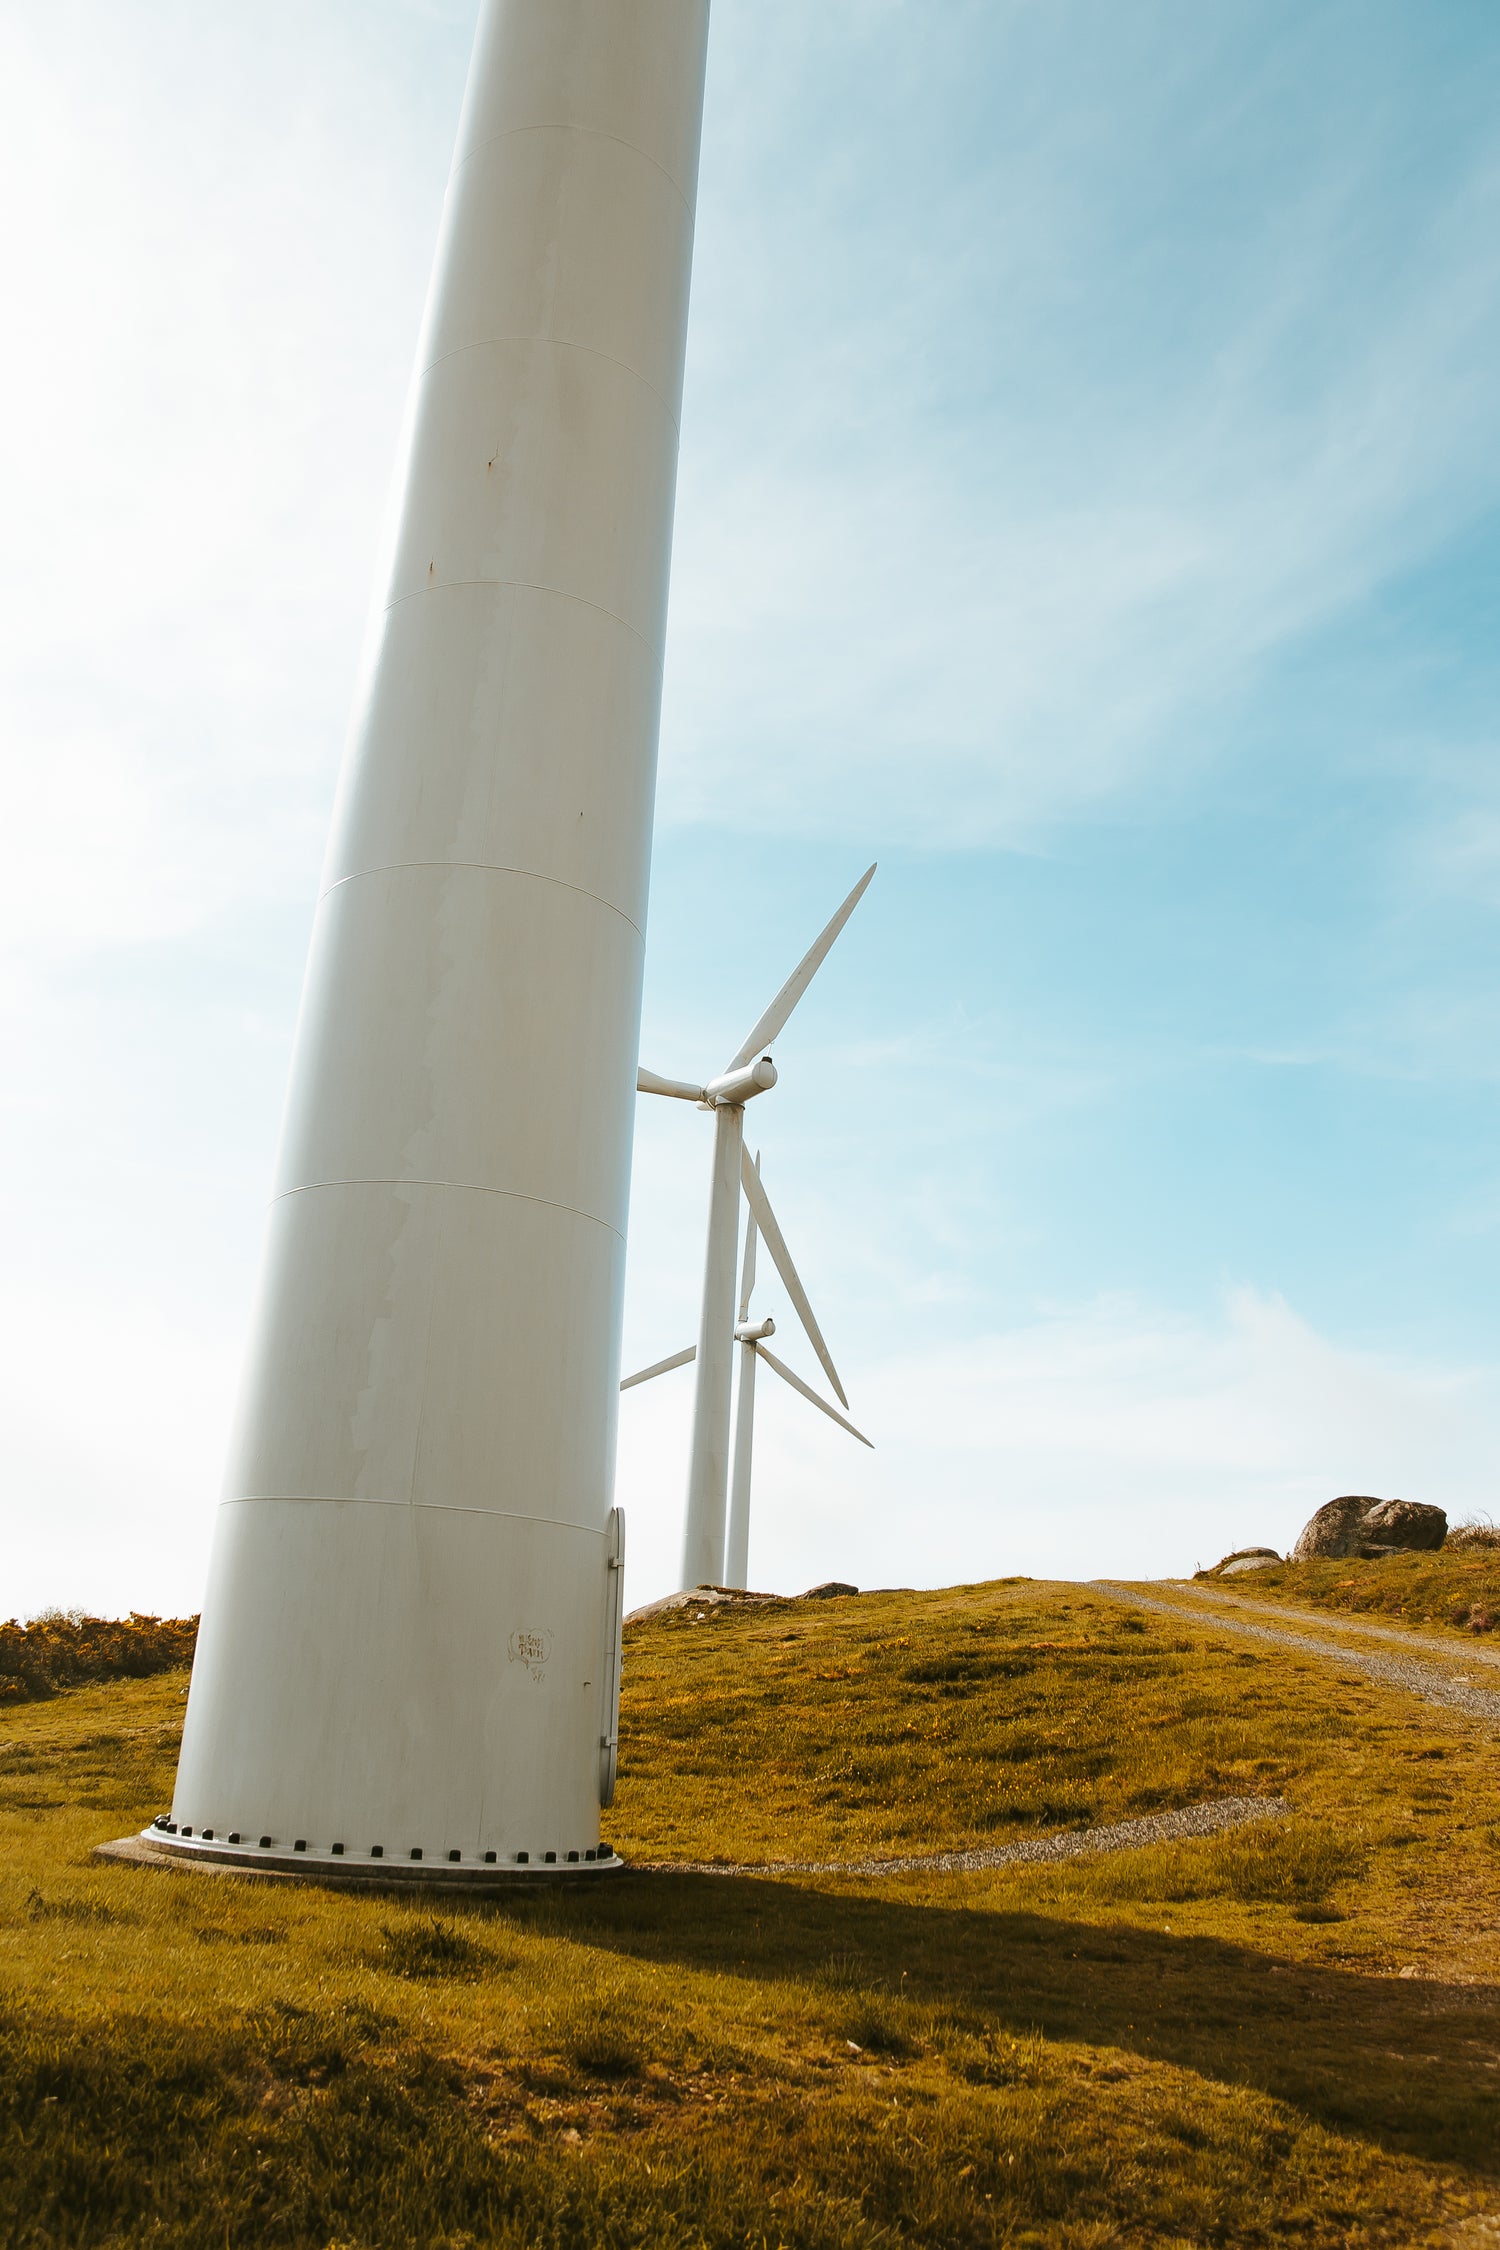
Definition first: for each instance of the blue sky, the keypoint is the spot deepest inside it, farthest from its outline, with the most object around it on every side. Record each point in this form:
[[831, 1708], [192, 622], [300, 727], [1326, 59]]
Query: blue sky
[[1088, 508]]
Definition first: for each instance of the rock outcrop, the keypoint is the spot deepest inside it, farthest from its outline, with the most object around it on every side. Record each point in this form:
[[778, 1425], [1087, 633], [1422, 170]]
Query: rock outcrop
[[1359, 1524], [1406, 1523], [1246, 1558], [706, 1598], [1335, 1530], [702, 1598]]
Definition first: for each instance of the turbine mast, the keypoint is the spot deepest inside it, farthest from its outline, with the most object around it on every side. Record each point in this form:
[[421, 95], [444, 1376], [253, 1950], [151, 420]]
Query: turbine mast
[[708, 1453], [408, 1648], [737, 1541], [737, 1546]]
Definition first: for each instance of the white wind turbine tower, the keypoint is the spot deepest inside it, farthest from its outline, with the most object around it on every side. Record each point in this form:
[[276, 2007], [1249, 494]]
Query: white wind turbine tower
[[703, 1557], [410, 1638]]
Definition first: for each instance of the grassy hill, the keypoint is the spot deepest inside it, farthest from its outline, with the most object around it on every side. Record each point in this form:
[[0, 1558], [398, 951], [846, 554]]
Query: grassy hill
[[1283, 2034]]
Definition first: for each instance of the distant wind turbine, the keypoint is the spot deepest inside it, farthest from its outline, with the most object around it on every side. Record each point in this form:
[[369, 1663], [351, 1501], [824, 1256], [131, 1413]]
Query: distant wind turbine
[[752, 1340], [741, 1081]]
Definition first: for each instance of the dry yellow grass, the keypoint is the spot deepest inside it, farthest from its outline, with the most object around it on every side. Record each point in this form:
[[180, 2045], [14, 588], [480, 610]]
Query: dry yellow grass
[[1209, 2042]]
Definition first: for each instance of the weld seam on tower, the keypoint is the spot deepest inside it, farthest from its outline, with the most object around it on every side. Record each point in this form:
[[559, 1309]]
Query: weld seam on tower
[[562, 344], [483, 867], [378, 1500], [522, 586], [459, 1187], [591, 132]]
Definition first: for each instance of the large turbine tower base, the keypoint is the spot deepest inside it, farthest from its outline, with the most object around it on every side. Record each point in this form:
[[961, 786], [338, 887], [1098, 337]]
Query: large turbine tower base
[[409, 1650]]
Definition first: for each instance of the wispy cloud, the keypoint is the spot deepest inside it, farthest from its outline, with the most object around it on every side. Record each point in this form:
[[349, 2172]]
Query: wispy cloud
[[1010, 530]]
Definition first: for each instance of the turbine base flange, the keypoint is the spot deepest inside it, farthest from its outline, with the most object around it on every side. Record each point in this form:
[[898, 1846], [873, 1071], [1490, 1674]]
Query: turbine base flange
[[149, 1848]]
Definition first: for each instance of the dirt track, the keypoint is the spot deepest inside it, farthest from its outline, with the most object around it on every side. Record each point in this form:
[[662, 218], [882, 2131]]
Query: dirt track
[[1449, 1689]]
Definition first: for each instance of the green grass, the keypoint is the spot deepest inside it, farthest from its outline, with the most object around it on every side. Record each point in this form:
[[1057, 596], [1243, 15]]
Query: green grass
[[1456, 1590], [1203, 2043]]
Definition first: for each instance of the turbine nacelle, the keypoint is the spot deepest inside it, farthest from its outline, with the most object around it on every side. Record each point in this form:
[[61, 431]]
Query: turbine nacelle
[[754, 1331], [736, 1087]]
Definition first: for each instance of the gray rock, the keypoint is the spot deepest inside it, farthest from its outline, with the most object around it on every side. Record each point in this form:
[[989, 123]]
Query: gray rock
[[1336, 1529], [706, 1598], [1406, 1523], [1246, 1558], [1359, 1524], [700, 1597]]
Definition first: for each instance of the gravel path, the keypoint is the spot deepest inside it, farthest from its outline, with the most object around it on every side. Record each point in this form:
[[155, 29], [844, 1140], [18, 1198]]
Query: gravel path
[[1346, 1621], [1076, 1843], [1423, 1680]]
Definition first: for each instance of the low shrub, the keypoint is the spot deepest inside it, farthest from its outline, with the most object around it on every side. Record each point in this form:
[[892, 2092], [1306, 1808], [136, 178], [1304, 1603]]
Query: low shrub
[[64, 1649]]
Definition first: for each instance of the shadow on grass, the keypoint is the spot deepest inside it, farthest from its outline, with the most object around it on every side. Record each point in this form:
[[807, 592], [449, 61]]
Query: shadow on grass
[[1407, 2065]]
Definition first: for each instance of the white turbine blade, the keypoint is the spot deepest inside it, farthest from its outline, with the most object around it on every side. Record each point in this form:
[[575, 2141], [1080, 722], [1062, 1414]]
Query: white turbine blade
[[798, 1385], [662, 1367], [747, 1272], [765, 1218], [647, 1082], [799, 980]]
